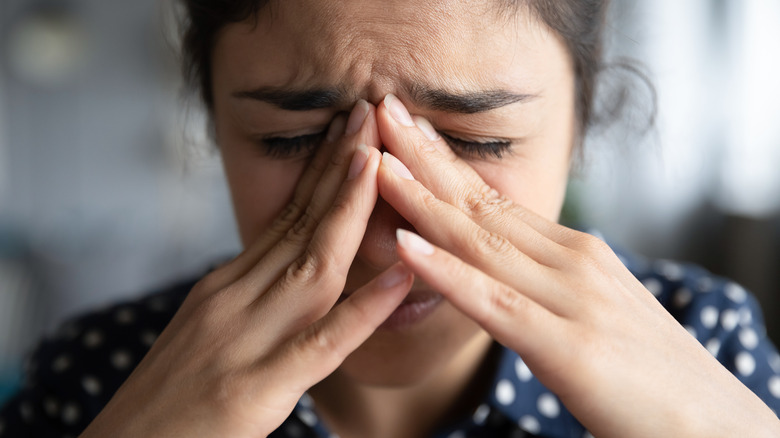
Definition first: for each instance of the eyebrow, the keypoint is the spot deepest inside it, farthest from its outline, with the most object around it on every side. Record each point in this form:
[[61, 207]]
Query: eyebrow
[[463, 102]]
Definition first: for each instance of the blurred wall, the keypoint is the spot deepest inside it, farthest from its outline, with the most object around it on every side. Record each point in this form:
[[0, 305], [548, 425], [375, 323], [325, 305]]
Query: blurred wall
[[108, 187], [106, 190]]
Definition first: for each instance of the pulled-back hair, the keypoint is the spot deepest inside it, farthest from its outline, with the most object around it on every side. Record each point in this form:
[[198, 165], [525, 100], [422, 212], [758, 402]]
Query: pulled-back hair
[[579, 23]]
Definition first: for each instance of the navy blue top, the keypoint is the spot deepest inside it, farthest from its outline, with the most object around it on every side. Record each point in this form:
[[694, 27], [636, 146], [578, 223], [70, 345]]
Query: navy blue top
[[73, 374]]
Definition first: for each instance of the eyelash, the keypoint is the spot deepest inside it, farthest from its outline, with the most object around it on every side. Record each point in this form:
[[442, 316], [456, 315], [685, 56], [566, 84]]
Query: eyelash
[[287, 147]]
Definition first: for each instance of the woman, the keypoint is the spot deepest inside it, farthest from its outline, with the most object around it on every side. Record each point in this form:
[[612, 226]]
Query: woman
[[405, 276]]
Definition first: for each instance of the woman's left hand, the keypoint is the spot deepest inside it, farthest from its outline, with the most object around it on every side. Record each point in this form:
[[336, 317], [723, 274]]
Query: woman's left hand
[[586, 328]]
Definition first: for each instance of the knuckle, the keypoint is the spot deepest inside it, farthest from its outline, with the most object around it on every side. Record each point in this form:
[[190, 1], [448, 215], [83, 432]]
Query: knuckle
[[303, 269], [289, 215], [326, 347], [586, 243], [486, 244], [304, 227], [504, 300], [485, 202], [338, 158], [312, 268]]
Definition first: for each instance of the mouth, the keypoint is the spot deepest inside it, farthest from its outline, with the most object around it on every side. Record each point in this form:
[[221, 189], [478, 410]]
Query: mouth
[[415, 308]]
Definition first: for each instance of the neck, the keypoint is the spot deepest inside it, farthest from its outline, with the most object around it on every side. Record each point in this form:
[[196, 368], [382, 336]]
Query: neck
[[353, 409]]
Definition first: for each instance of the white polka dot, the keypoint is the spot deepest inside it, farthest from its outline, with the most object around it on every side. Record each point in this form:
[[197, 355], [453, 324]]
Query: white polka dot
[[709, 317], [745, 363], [774, 362], [774, 386], [61, 363], [748, 338], [530, 424], [745, 316], [121, 360], [148, 338], [735, 292], [522, 371], [587, 435], [691, 331], [729, 319], [653, 285], [93, 339], [548, 405], [671, 270], [51, 406], [124, 316], [713, 346], [457, 434], [71, 413], [480, 414], [682, 297], [26, 411], [307, 417], [505, 392], [91, 385]]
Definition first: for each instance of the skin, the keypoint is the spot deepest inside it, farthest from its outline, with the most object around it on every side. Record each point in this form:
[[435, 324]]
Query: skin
[[259, 331]]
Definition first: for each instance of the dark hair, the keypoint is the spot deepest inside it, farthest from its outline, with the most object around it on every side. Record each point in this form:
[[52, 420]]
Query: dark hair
[[579, 23]]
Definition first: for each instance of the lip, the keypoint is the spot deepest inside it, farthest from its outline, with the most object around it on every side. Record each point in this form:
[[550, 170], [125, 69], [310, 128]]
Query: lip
[[417, 306]]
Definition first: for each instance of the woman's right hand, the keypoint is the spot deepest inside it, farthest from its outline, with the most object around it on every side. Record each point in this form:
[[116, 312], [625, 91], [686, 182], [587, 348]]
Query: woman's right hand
[[255, 334]]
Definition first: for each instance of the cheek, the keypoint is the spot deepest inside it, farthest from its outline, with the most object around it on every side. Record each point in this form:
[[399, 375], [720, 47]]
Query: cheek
[[260, 189], [538, 187]]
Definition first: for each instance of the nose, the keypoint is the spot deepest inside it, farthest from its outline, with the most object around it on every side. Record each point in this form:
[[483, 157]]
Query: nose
[[377, 249]]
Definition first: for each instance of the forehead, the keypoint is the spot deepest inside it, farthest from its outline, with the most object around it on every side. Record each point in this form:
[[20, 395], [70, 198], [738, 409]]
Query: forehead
[[370, 47]]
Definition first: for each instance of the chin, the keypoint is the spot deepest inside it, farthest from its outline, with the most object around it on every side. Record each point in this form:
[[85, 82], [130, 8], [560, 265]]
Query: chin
[[411, 355]]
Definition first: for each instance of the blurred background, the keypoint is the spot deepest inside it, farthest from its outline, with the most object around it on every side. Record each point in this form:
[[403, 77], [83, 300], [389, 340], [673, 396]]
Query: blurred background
[[109, 187]]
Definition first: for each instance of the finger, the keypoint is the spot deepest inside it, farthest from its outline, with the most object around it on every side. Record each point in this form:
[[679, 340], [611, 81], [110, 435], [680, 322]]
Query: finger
[[239, 266], [491, 252], [415, 142], [316, 352], [312, 283], [509, 315], [263, 273]]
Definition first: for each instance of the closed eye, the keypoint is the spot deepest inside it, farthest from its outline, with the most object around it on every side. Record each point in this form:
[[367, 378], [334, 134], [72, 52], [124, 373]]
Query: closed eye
[[291, 147], [476, 149]]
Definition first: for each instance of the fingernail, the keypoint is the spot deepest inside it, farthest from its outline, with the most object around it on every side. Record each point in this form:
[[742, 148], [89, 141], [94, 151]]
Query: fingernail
[[359, 161], [393, 276], [412, 242], [397, 166], [398, 111], [336, 129], [426, 128], [356, 118]]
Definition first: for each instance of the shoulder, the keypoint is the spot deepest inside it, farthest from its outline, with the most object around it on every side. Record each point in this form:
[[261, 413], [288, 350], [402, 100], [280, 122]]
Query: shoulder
[[721, 314], [73, 373]]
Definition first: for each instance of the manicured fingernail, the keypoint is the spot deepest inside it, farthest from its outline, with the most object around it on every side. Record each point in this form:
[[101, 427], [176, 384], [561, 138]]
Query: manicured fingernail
[[393, 276], [336, 129], [359, 161], [426, 128], [398, 111], [397, 166], [357, 117], [412, 242]]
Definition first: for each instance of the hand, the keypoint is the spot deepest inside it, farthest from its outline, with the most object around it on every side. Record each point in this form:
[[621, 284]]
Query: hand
[[255, 334], [586, 328]]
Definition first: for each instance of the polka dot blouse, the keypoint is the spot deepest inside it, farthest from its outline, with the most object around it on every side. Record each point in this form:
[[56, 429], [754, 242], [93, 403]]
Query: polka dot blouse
[[73, 374]]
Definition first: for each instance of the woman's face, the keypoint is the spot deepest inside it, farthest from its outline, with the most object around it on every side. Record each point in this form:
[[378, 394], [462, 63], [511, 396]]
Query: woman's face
[[465, 51]]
